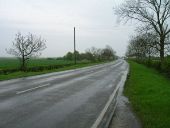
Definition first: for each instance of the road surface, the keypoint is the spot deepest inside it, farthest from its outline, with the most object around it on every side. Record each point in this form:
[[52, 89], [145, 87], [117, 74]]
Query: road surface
[[69, 99]]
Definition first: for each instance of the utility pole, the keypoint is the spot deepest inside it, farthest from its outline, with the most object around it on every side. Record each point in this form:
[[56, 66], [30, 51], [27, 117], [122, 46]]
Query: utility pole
[[75, 45]]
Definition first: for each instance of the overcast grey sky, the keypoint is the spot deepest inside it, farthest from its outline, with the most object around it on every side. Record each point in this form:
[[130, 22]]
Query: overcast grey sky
[[95, 22]]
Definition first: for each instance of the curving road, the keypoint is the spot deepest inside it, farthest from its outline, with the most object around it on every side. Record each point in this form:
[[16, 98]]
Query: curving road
[[69, 99]]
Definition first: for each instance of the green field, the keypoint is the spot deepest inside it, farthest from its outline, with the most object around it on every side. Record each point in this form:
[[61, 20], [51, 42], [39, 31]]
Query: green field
[[10, 63], [149, 94], [13, 63]]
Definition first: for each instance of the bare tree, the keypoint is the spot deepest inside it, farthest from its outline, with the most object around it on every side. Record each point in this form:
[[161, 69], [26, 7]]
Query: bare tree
[[153, 13], [134, 48], [143, 46], [25, 47]]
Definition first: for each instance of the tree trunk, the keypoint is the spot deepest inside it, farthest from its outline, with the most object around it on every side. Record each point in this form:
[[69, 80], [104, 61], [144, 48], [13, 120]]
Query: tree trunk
[[149, 60], [162, 50], [23, 63]]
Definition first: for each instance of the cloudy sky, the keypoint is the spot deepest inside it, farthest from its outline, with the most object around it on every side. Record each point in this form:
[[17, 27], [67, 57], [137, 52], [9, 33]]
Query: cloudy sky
[[95, 22]]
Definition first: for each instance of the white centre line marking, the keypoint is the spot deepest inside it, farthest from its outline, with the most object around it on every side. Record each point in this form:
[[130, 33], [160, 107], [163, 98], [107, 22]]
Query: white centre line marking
[[20, 92]]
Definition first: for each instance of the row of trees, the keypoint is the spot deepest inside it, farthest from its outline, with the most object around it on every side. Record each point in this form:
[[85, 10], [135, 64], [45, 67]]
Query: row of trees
[[154, 16], [146, 46], [93, 54]]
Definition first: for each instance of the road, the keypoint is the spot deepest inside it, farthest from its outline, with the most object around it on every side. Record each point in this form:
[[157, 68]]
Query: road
[[69, 99]]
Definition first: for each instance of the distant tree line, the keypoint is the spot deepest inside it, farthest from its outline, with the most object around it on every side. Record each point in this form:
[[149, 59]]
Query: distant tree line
[[30, 46], [93, 54]]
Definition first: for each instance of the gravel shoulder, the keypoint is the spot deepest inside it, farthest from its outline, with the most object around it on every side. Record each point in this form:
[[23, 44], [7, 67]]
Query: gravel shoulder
[[123, 116]]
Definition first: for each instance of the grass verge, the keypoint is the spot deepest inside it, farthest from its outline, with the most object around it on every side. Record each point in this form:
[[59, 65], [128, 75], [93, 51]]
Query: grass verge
[[20, 74], [149, 94]]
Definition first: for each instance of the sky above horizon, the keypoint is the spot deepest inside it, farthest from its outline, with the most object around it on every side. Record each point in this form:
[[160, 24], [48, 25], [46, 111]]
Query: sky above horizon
[[54, 20]]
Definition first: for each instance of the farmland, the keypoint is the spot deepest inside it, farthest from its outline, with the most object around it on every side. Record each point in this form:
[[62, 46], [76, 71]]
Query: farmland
[[9, 67], [11, 63]]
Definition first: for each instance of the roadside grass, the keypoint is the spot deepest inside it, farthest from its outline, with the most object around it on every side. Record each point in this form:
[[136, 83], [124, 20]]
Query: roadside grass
[[149, 94], [21, 74]]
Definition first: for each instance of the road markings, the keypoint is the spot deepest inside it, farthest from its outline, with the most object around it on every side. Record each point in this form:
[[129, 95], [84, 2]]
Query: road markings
[[31, 89]]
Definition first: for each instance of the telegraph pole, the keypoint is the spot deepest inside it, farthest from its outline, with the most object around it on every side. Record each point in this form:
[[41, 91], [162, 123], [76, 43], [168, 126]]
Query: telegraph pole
[[75, 45]]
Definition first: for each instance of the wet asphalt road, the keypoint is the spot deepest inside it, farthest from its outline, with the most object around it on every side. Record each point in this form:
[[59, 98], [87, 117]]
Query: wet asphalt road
[[70, 99]]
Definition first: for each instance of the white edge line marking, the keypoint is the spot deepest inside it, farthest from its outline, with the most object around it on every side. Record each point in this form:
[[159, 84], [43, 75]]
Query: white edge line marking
[[20, 92], [100, 117]]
